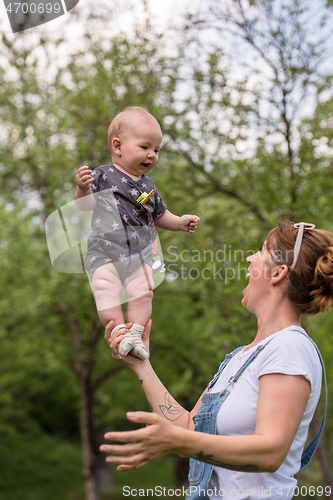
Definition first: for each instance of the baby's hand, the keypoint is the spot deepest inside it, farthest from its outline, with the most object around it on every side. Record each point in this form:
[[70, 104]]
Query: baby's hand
[[83, 178], [188, 223]]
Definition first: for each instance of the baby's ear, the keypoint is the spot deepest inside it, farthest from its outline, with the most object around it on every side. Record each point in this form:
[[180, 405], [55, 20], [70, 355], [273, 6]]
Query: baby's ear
[[116, 146]]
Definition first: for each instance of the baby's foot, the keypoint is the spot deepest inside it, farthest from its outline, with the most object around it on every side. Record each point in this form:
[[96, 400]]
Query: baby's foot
[[127, 343], [139, 349]]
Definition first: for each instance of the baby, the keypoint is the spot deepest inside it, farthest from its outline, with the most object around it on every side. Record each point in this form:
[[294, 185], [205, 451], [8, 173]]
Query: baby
[[120, 251]]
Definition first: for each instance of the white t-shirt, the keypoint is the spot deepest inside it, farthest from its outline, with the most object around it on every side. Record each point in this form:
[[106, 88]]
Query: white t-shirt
[[290, 353]]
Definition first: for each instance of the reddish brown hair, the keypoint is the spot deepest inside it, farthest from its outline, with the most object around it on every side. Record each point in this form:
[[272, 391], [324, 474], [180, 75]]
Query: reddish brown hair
[[310, 283]]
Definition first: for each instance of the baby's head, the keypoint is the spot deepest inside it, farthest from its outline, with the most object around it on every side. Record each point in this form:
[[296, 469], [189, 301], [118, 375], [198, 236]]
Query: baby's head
[[134, 138], [128, 121]]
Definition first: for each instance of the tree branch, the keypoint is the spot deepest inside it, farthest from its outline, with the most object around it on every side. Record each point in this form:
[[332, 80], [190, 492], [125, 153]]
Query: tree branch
[[222, 189], [104, 376]]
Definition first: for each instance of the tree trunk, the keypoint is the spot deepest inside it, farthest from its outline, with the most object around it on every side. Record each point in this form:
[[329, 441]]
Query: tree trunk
[[84, 355], [87, 440], [105, 479], [181, 473]]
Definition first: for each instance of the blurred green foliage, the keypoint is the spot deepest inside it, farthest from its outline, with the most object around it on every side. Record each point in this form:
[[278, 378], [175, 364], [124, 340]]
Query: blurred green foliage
[[242, 152]]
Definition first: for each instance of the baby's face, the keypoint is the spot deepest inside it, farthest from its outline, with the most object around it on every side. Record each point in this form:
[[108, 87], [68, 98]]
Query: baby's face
[[140, 145]]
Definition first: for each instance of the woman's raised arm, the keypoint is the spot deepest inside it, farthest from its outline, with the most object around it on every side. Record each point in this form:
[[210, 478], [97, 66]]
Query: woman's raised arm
[[159, 399]]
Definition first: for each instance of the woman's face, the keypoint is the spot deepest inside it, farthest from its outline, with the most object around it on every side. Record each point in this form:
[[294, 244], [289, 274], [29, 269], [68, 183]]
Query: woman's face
[[259, 274]]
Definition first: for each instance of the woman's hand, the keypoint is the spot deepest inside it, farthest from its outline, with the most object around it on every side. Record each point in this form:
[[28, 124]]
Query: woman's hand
[[142, 446], [114, 340]]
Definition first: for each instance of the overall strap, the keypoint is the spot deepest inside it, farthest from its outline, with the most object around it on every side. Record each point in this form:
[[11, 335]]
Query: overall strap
[[311, 448], [222, 366], [228, 357], [249, 360]]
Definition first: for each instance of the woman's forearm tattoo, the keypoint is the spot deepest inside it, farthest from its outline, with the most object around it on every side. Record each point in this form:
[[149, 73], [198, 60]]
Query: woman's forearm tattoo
[[240, 468], [171, 409]]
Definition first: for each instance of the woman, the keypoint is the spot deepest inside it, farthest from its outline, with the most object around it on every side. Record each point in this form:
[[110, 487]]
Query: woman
[[254, 416]]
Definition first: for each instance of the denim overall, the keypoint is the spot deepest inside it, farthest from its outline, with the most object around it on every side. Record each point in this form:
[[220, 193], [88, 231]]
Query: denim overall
[[205, 421]]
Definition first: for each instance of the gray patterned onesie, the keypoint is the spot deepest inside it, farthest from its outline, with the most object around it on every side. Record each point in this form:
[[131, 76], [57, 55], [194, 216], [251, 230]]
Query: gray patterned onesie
[[120, 232]]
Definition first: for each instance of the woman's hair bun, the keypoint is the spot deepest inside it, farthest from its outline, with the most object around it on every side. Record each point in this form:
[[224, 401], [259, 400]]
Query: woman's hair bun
[[322, 294]]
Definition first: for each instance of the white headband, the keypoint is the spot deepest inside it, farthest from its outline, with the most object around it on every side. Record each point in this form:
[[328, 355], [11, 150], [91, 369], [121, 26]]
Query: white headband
[[301, 226]]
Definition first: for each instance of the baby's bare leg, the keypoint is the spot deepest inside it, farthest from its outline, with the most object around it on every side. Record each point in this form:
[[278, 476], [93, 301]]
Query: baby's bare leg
[[139, 288], [107, 289]]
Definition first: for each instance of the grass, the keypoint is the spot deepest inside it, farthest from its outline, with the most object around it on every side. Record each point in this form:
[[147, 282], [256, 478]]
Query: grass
[[38, 467], [159, 475]]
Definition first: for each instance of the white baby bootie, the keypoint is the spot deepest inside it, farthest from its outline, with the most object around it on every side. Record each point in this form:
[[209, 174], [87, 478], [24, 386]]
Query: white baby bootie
[[139, 349], [127, 342]]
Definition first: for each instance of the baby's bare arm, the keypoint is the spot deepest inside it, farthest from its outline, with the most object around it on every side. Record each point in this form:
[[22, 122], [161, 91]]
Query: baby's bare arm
[[171, 222]]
